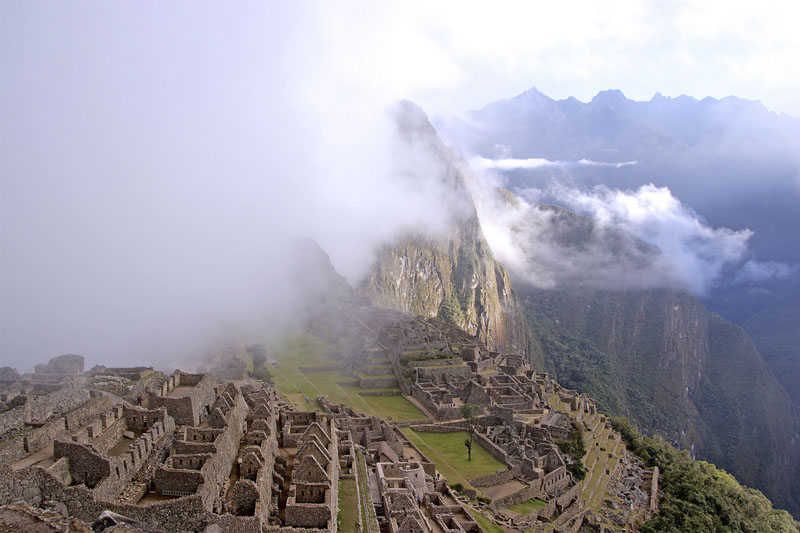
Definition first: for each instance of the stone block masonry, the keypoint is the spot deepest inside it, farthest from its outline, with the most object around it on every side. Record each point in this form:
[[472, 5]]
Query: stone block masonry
[[107, 476], [187, 397], [41, 408], [313, 497], [492, 479], [205, 474], [37, 437]]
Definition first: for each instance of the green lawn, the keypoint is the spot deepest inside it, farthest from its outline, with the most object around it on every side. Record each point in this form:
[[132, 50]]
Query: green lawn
[[448, 452], [528, 506], [306, 351], [487, 525], [348, 505], [388, 374], [395, 406], [367, 508], [437, 367]]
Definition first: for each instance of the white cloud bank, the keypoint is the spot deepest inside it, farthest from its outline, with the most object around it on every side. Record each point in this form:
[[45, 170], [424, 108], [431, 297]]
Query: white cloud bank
[[642, 238], [538, 162]]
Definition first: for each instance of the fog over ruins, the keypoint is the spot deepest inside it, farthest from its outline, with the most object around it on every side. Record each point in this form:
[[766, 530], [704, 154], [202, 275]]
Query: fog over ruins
[[219, 450], [310, 267]]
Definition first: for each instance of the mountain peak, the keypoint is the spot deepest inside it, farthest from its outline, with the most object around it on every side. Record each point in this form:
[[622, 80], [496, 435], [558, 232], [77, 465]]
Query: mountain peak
[[609, 98], [534, 93]]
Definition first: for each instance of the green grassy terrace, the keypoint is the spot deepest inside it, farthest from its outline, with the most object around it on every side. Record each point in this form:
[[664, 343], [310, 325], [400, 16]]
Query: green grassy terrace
[[306, 351], [348, 505], [448, 452], [528, 506]]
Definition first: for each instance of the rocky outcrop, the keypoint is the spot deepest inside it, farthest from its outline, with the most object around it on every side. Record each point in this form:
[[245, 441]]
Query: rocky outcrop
[[9, 374], [452, 275], [63, 365], [455, 279]]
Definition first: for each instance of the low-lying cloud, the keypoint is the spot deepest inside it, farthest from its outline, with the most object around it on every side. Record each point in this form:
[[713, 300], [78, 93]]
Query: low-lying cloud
[[639, 238], [537, 162], [149, 195]]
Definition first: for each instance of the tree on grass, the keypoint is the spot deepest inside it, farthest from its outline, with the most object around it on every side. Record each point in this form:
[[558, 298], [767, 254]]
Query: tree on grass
[[575, 448], [469, 412]]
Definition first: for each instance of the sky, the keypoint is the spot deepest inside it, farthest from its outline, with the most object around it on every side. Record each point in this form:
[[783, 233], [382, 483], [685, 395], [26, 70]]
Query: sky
[[451, 56], [706, 48], [154, 157]]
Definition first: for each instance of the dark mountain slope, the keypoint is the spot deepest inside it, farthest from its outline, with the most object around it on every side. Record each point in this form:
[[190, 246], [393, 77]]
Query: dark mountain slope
[[659, 357]]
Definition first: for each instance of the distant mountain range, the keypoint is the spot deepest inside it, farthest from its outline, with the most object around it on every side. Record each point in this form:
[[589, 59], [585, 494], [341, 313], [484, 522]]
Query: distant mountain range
[[732, 160]]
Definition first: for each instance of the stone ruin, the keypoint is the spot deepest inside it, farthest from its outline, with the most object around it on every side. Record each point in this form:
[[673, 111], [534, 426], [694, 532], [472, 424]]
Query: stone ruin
[[197, 451], [58, 367], [403, 484], [312, 496]]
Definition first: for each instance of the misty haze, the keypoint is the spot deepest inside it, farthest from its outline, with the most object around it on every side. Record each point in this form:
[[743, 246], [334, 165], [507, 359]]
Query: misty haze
[[422, 267]]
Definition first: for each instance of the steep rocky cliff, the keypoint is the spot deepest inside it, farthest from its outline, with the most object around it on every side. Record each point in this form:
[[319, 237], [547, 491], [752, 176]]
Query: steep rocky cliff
[[454, 278], [452, 274]]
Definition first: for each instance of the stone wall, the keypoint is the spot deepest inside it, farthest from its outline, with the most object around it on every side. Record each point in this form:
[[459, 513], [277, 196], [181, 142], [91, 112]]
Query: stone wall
[[440, 412], [205, 474], [427, 465], [313, 499], [181, 409], [60, 471], [554, 481], [110, 435], [149, 385], [435, 428], [191, 409], [436, 362], [140, 419], [186, 448], [12, 450], [238, 524], [86, 466], [41, 437], [533, 490], [494, 450], [432, 373], [378, 382], [35, 485], [377, 392], [187, 379], [505, 414], [88, 412], [497, 478], [568, 497], [41, 408], [653, 492], [108, 476], [306, 514], [177, 482], [569, 513]]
